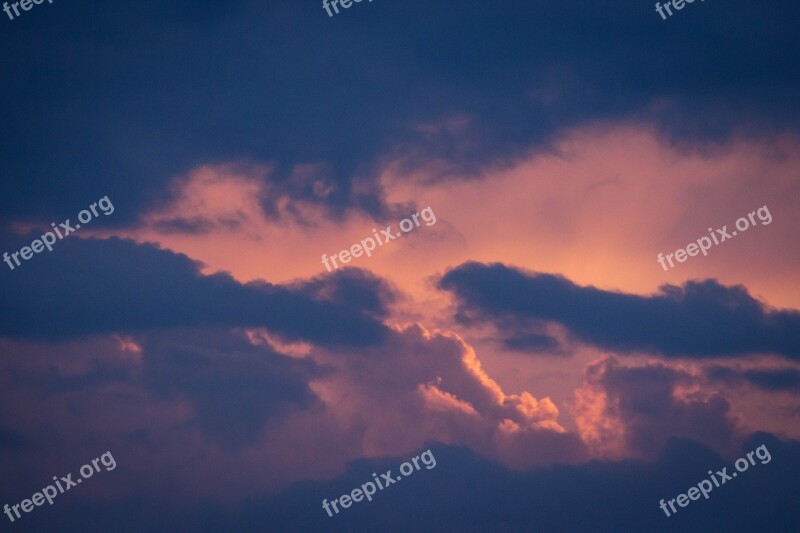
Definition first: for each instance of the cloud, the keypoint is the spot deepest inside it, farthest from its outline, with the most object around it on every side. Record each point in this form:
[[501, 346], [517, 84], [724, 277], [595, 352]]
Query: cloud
[[230, 389], [701, 319], [425, 385], [768, 379], [623, 411], [234, 387], [215, 388], [217, 413], [601, 496], [160, 401], [351, 287], [90, 286], [531, 342], [155, 103]]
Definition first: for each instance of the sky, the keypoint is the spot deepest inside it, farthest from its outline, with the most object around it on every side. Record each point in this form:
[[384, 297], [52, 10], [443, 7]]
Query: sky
[[548, 249]]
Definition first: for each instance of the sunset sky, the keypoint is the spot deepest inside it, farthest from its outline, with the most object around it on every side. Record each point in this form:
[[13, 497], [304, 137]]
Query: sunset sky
[[525, 333]]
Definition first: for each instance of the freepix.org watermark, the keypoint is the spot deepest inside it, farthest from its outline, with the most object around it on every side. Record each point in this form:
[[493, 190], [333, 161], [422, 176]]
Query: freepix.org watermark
[[49, 493], [344, 3], [26, 5], [720, 235], [369, 488], [721, 477], [49, 238], [677, 4], [368, 244]]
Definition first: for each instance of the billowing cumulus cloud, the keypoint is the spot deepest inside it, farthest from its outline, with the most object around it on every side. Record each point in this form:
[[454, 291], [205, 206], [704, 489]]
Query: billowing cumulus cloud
[[423, 385]]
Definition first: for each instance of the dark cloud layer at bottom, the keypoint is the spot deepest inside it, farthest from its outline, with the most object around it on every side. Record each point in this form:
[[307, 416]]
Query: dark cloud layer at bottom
[[468, 493]]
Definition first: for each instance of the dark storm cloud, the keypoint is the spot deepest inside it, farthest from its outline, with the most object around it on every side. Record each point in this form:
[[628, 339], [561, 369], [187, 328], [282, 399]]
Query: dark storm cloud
[[465, 492], [11, 441], [195, 226], [119, 97], [234, 387], [524, 342], [699, 319], [88, 286], [370, 293], [769, 379], [648, 401]]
